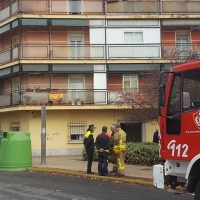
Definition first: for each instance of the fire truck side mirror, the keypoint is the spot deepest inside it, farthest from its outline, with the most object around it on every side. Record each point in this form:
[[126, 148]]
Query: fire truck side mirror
[[161, 95]]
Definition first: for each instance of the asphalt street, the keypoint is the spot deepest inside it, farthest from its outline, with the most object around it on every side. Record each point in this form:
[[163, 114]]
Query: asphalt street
[[41, 186]]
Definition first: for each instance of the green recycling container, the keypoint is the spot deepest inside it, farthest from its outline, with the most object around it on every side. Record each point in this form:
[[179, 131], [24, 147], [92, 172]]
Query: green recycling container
[[15, 151]]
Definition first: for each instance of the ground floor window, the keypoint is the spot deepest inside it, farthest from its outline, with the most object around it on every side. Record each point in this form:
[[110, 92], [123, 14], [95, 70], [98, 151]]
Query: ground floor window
[[14, 126], [76, 131]]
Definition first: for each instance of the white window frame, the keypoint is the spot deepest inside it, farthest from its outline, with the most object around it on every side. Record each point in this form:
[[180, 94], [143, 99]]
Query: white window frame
[[133, 31], [131, 89], [76, 124]]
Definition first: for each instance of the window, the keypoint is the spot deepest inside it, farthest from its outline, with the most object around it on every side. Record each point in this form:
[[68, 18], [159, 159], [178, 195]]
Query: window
[[133, 37], [76, 85], [130, 83], [182, 44], [191, 90], [15, 40], [174, 106], [174, 101], [14, 126], [76, 49], [75, 7], [77, 131]]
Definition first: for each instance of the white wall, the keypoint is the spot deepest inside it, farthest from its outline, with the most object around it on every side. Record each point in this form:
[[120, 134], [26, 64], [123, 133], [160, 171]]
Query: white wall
[[97, 36], [116, 35]]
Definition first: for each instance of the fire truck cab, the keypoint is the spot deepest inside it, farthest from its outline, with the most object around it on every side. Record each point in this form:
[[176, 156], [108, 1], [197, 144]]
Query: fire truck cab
[[179, 128]]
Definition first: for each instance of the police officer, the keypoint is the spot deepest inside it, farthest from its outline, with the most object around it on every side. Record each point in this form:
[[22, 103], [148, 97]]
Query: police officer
[[89, 146], [102, 143], [114, 160], [120, 149]]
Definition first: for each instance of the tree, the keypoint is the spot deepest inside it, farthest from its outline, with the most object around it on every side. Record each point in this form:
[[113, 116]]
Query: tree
[[142, 106]]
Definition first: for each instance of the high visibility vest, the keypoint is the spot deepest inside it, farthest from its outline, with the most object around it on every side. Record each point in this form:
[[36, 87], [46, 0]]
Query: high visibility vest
[[87, 134]]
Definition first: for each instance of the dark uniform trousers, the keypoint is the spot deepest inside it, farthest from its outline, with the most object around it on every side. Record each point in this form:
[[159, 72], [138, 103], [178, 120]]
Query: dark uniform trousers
[[103, 163], [90, 153]]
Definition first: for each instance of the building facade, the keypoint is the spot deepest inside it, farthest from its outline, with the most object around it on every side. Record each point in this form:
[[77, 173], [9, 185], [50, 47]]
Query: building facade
[[78, 57]]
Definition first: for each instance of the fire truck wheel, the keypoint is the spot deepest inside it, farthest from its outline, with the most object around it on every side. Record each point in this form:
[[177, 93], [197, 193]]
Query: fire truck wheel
[[197, 192]]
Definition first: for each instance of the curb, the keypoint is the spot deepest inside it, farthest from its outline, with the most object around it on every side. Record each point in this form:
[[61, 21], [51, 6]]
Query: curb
[[93, 176]]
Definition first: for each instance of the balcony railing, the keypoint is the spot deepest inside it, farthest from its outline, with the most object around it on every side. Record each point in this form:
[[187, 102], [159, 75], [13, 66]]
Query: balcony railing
[[54, 51], [71, 97], [154, 6], [74, 7], [181, 51], [117, 51]]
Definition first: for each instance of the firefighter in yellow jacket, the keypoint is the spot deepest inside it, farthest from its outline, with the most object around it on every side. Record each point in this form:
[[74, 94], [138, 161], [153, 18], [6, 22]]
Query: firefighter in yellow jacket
[[114, 160], [120, 149]]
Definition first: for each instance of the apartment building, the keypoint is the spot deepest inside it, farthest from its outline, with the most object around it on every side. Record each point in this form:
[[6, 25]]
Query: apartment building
[[79, 57]]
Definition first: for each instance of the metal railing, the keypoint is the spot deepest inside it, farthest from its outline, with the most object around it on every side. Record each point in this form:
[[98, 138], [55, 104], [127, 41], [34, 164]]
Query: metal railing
[[117, 51], [72, 97], [77, 7], [57, 51], [180, 51], [154, 6], [74, 7]]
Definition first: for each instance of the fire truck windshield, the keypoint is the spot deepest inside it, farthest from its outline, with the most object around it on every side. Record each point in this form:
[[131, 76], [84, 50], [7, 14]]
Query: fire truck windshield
[[190, 83]]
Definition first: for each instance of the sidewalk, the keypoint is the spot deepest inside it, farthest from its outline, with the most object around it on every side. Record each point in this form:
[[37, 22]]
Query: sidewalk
[[76, 164]]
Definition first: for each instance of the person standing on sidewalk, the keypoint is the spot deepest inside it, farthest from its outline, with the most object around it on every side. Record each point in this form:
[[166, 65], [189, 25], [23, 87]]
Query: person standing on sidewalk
[[89, 147], [114, 160], [120, 149], [155, 136], [102, 143]]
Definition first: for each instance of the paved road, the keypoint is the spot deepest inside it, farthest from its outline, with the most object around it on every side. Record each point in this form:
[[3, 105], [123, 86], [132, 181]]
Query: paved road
[[39, 186]]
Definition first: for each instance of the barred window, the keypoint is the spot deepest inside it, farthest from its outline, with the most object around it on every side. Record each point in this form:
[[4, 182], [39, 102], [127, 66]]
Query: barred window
[[14, 126], [76, 130]]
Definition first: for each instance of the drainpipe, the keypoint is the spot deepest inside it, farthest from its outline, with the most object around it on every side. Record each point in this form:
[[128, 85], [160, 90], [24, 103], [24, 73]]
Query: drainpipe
[[11, 44], [50, 32], [20, 84], [106, 50], [19, 30], [11, 88]]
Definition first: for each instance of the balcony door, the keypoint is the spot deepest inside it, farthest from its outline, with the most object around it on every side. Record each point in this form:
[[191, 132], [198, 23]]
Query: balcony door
[[15, 91], [182, 45], [76, 86], [75, 7], [76, 49]]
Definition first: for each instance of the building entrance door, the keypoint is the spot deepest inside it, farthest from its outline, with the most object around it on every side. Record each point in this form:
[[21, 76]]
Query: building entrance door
[[133, 132]]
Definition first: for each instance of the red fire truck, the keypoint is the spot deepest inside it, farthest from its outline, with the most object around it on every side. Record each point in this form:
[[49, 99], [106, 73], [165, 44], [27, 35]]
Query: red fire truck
[[179, 128]]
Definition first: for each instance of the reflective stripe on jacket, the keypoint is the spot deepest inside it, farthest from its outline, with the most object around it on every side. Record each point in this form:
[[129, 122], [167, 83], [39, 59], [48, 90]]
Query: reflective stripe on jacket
[[122, 140]]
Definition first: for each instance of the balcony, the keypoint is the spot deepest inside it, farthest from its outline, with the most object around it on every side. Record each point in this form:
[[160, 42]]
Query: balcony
[[74, 7], [54, 51], [89, 52], [154, 6], [69, 97], [133, 7], [180, 51]]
